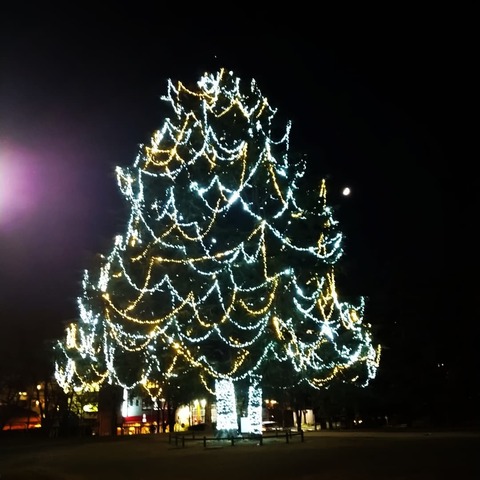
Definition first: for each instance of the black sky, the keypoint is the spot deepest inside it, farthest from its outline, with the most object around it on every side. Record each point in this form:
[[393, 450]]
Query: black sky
[[77, 97]]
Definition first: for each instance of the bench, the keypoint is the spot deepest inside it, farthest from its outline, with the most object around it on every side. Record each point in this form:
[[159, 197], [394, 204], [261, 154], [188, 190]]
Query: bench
[[180, 438]]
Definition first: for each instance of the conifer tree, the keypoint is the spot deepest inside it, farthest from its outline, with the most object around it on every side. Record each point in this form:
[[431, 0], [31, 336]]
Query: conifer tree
[[225, 273]]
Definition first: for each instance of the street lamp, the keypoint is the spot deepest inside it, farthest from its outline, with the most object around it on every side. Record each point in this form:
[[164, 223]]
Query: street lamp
[[270, 406]]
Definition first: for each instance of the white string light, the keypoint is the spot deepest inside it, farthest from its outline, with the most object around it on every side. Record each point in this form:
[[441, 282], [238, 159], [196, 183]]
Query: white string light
[[214, 253]]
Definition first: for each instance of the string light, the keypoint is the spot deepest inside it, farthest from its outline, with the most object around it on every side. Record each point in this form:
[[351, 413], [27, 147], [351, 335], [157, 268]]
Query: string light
[[214, 253]]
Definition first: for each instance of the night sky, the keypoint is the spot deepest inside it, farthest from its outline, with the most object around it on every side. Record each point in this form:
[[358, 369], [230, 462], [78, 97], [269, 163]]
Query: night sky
[[77, 97]]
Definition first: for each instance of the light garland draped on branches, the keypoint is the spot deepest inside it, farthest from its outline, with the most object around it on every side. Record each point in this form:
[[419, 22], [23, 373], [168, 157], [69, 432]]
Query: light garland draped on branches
[[226, 265]]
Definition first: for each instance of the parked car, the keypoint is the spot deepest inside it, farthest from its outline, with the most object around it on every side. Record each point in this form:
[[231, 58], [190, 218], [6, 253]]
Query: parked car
[[271, 426]]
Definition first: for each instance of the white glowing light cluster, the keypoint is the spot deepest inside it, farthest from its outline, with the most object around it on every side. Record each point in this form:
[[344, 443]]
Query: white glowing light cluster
[[227, 421], [225, 264], [254, 409]]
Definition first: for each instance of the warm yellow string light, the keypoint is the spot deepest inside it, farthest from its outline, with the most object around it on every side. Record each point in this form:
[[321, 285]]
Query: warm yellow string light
[[178, 277]]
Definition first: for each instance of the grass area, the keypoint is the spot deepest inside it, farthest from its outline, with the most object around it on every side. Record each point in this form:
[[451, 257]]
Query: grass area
[[326, 455]]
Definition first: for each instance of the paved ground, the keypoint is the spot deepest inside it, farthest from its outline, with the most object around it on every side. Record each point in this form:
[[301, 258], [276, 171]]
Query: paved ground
[[323, 455]]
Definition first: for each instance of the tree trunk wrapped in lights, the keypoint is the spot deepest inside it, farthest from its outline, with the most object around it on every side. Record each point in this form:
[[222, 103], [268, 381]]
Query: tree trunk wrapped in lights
[[225, 272]]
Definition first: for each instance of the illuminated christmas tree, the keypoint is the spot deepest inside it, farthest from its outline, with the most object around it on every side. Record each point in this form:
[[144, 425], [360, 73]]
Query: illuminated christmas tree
[[225, 272]]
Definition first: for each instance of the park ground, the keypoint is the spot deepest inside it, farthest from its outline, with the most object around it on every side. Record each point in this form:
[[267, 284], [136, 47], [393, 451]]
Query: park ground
[[323, 455]]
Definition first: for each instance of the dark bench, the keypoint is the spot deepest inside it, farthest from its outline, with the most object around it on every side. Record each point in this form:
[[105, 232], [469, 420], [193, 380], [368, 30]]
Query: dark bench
[[181, 437]]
